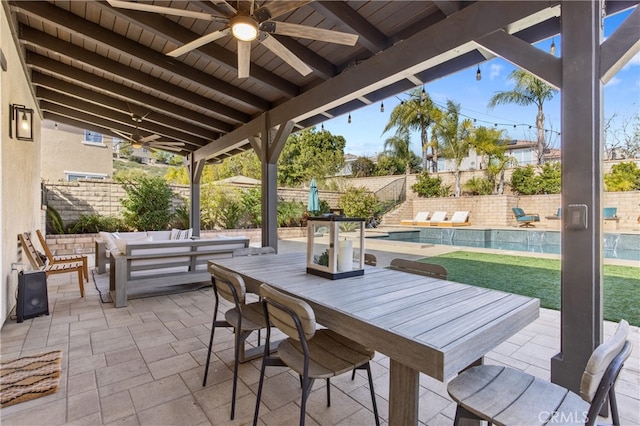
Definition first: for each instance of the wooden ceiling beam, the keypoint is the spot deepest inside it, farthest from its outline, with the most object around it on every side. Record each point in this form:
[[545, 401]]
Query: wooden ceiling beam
[[82, 108], [368, 36], [174, 32], [49, 13], [448, 7], [101, 64], [40, 63], [58, 86]]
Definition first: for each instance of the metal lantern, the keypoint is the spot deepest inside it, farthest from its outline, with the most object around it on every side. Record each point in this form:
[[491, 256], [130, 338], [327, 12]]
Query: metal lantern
[[335, 246]]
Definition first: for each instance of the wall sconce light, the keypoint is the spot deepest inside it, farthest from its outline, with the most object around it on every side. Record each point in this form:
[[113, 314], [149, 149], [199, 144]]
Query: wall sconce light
[[20, 122]]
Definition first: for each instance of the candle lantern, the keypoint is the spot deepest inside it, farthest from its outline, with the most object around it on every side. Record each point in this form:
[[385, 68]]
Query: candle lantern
[[335, 246]]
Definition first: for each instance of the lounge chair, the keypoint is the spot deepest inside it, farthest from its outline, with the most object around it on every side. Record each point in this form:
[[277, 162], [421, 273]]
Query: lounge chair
[[436, 218], [556, 216], [418, 220], [50, 268], [610, 213], [460, 218], [525, 219], [68, 258]]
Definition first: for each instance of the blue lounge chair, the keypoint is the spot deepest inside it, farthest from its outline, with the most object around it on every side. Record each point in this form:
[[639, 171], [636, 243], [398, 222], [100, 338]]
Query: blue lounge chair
[[525, 219], [610, 213]]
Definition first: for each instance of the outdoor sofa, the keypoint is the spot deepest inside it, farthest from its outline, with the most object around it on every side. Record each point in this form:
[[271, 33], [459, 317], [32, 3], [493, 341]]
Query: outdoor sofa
[[139, 261]]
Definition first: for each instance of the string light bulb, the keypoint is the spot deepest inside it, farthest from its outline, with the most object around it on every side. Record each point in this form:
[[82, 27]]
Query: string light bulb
[[552, 48], [381, 106], [322, 127], [478, 74], [349, 119], [423, 94]]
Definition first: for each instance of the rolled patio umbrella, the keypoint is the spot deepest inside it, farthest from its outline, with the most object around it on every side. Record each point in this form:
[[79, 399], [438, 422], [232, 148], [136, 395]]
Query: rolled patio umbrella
[[313, 205]]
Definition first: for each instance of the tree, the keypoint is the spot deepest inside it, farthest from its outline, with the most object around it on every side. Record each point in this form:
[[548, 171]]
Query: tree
[[528, 90], [417, 113], [622, 141], [454, 138], [358, 202], [399, 146], [310, 154], [362, 167], [489, 144]]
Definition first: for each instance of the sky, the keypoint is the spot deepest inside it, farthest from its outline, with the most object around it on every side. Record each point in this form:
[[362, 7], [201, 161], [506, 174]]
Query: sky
[[364, 135]]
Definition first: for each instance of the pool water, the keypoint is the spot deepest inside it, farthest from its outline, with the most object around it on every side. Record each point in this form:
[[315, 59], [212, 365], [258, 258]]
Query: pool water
[[616, 246]]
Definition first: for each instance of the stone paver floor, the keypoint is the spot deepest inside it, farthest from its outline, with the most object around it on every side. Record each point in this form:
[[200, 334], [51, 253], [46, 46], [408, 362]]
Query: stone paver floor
[[143, 365]]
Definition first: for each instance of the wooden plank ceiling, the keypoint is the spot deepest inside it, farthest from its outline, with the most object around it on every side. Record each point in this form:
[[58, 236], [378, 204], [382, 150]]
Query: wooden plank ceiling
[[93, 65]]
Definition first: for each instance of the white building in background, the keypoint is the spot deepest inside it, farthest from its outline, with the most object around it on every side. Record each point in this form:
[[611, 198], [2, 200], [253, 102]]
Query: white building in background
[[69, 153]]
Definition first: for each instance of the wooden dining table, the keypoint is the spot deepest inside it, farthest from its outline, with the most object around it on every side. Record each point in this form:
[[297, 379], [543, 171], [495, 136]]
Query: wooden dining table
[[424, 325]]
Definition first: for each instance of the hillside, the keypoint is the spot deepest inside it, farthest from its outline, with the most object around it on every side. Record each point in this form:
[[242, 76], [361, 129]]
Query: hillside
[[152, 169]]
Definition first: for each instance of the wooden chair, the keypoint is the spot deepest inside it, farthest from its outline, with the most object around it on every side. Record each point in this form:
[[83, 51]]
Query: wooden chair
[[50, 269], [243, 317], [370, 259], [505, 396], [68, 258], [419, 268], [312, 353]]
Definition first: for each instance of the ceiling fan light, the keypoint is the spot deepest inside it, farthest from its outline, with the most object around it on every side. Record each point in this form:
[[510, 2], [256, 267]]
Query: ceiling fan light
[[244, 28], [136, 145]]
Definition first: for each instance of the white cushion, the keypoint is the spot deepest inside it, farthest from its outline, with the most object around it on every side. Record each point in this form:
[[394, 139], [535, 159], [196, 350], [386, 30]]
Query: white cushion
[[178, 234], [160, 235], [109, 240], [129, 235], [121, 243], [226, 237]]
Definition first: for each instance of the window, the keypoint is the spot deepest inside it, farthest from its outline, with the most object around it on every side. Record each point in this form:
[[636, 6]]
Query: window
[[92, 138], [74, 176]]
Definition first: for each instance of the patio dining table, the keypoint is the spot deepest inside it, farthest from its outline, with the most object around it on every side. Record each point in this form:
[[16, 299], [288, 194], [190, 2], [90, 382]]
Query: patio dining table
[[424, 325]]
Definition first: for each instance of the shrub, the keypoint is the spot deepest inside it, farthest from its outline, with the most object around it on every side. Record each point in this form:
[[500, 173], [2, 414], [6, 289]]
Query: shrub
[[523, 181], [94, 223], [623, 177], [550, 179], [252, 202], [479, 186], [180, 218], [147, 205], [430, 187], [358, 202], [290, 213], [55, 225]]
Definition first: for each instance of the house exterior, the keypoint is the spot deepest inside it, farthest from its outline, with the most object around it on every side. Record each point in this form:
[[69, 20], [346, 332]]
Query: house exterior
[[69, 153], [524, 153]]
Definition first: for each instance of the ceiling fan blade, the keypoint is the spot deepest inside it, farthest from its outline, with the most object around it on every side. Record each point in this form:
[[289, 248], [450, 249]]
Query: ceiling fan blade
[[201, 41], [273, 9], [122, 135], [143, 7], [285, 54], [244, 58], [232, 10], [149, 138], [304, 31], [167, 148], [171, 143]]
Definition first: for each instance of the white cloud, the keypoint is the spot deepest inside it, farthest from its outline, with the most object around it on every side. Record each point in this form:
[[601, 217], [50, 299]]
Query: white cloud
[[495, 70], [614, 81]]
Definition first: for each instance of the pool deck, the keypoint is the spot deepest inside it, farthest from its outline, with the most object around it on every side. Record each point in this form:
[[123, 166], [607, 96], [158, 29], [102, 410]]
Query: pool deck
[[143, 364]]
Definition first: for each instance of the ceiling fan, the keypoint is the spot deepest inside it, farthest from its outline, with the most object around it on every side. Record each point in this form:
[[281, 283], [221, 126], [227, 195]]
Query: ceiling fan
[[151, 142], [247, 23]]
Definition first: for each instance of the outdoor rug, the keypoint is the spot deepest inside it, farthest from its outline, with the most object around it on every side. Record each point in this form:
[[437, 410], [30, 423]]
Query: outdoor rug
[[101, 282], [29, 377]]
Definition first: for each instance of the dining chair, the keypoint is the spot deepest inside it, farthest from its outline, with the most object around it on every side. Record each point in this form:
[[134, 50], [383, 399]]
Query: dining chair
[[419, 268], [312, 353], [253, 251], [370, 259], [244, 318], [50, 269], [505, 396], [67, 258]]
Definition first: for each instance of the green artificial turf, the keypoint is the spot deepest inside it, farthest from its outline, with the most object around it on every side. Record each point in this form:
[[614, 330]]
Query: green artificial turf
[[537, 277]]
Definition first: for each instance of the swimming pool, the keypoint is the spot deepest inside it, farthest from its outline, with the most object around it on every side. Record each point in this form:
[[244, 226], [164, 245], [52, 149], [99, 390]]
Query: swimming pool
[[616, 246]]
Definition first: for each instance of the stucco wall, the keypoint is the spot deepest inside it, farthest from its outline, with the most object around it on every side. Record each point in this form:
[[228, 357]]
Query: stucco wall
[[19, 167], [63, 150]]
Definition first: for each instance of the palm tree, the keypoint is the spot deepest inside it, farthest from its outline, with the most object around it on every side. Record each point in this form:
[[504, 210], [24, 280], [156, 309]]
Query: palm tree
[[489, 144], [454, 138], [528, 91], [398, 146], [416, 113]]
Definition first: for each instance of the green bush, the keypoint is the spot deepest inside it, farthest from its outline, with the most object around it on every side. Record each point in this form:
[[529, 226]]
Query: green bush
[[147, 205], [358, 202], [523, 181], [623, 177], [252, 202], [430, 187], [290, 213], [55, 225], [180, 218], [479, 186], [550, 179], [94, 223]]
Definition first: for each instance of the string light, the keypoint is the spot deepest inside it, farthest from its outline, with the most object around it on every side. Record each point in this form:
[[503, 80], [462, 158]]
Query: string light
[[349, 119], [381, 106], [478, 74], [552, 48], [322, 127]]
